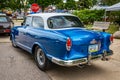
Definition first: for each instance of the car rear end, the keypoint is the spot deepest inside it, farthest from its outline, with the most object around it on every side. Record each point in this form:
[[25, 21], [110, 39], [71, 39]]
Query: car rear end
[[5, 25], [84, 46]]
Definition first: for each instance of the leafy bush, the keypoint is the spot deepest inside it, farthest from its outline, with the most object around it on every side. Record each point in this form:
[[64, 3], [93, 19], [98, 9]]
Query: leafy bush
[[114, 16], [89, 16]]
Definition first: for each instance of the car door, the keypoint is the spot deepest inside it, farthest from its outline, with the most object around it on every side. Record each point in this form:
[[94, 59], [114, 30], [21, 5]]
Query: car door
[[22, 35], [34, 31]]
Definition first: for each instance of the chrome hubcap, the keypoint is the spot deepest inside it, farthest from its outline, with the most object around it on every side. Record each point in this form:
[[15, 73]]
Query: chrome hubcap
[[40, 57]]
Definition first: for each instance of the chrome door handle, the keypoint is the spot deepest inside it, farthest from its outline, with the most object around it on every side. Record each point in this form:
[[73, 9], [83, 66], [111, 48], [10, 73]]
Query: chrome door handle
[[36, 37], [57, 41]]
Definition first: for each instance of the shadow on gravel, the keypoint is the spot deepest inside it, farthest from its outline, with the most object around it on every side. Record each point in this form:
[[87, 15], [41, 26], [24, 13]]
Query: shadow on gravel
[[4, 35], [24, 53], [74, 73], [68, 72], [4, 38], [61, 73]]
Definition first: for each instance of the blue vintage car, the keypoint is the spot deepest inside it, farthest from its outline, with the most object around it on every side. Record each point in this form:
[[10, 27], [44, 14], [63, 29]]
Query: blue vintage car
[[60, 38]]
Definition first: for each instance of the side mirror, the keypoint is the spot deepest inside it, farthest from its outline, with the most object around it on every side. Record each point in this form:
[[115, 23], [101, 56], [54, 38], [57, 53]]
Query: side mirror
[[22, 24]]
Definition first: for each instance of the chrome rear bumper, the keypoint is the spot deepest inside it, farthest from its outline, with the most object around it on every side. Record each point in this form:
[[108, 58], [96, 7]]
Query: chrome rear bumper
[[69, 62], [82, 60]]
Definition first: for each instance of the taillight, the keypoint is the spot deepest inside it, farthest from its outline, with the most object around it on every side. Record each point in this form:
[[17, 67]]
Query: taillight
[[68, 44], [111, 38], [7, 30]]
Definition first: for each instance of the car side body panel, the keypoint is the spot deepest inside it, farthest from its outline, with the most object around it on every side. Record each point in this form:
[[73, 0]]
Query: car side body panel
[[54, 42]]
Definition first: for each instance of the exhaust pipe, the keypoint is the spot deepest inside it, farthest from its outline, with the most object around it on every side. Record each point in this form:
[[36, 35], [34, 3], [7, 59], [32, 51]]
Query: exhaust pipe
[[89, 59], [81, 66], [104, 58]]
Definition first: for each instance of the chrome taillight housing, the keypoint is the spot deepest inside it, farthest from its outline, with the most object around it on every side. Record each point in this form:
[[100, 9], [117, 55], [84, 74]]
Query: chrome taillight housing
[[68, 44], [111, 38]]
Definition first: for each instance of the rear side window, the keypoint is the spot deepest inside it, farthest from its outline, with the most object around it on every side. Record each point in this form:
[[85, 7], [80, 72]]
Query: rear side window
[[3, 19], [38, 22]]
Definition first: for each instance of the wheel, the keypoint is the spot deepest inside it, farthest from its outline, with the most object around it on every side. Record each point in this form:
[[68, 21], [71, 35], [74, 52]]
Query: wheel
[[13, 42], [42, 61]]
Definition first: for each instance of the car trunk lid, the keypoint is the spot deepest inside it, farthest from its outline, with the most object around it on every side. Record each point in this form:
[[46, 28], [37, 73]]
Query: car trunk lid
[[80, 35]]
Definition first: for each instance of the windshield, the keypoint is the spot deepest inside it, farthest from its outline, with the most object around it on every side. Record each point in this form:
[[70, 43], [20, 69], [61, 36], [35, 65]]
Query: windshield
[[57, 22], [3, 19]]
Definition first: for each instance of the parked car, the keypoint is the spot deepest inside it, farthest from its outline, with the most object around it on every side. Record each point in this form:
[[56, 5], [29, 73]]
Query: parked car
[[60, 38], [5, 24]]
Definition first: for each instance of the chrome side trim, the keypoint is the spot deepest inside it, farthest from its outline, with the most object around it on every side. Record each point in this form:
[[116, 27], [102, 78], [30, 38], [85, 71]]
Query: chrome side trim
[[23, 45]]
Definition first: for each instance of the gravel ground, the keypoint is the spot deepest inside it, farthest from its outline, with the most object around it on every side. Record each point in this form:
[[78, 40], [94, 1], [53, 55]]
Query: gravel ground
[[17, 64], [116, 48]]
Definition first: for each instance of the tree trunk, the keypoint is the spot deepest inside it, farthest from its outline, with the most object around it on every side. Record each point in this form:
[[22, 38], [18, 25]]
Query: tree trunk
[[43, 8]]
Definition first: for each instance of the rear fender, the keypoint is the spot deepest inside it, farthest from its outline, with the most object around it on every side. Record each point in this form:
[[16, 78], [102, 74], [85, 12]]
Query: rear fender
[[11, 36], [106, 41]]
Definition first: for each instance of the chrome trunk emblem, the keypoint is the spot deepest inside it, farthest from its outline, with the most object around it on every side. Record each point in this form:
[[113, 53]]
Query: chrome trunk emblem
[[93, 41]]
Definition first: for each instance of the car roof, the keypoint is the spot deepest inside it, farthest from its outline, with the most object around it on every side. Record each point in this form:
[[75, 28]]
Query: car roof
[[2, 14], [47, 15]]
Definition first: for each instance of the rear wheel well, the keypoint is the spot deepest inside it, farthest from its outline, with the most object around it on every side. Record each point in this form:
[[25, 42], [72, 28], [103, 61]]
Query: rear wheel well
[[10, 37], [33, 49]]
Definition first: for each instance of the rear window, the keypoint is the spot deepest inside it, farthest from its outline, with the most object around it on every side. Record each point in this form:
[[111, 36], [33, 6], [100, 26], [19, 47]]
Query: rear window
[[3, 19], [57, 22]]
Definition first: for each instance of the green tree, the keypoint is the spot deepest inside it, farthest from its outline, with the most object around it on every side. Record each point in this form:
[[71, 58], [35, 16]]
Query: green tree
[[2, 4], [60, 5], [89, 16], [14, 4], [45, 3], [109, 2], [80, 4], [70, 4], [86, 3]]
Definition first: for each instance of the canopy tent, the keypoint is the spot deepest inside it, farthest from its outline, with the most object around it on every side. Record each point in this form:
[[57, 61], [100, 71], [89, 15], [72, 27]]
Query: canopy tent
[[114, 7], [97, 7]]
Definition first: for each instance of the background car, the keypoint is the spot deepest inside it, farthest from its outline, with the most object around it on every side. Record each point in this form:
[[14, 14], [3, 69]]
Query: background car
[[60, 38], [5, 24]]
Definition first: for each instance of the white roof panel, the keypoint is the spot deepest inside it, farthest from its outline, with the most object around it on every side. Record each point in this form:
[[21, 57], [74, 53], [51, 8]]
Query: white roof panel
[[47, 15]]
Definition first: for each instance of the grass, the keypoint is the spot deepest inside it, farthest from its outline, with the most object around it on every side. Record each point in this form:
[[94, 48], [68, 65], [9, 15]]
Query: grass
[[113, 28]]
